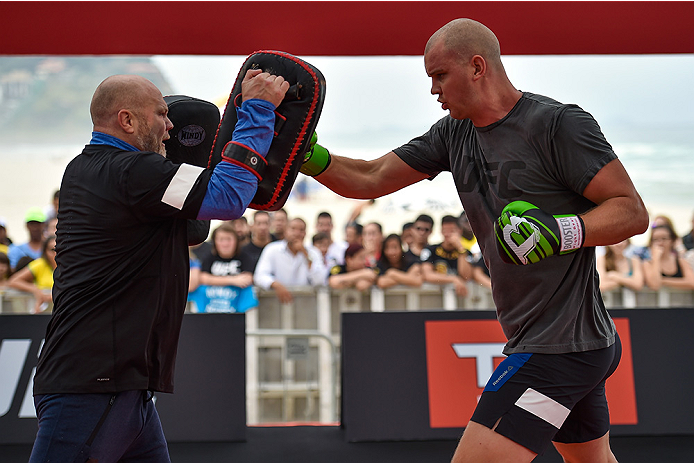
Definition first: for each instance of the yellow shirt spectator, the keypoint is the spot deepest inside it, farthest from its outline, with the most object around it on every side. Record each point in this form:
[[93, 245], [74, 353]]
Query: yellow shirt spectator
[[43, 273]]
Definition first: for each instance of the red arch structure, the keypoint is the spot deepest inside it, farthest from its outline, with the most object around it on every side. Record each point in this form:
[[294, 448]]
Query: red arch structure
[[338, 28]]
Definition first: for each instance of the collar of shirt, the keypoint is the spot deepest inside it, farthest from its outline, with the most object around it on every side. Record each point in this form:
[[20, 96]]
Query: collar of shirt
[[285, 248], [100, 138]]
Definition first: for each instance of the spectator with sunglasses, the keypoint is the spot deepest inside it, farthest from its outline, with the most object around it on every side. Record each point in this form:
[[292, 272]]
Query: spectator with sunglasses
[[422, 229]]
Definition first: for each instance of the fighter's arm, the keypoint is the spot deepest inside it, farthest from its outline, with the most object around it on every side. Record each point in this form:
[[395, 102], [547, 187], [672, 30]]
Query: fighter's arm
[[620, 212], [359, 179]]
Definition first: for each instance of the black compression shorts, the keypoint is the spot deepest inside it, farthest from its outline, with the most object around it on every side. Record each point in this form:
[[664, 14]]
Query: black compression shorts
[[539, 398]]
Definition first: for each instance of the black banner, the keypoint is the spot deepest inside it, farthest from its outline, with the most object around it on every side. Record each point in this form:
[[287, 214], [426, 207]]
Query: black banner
[[417, 375], [209, 403]]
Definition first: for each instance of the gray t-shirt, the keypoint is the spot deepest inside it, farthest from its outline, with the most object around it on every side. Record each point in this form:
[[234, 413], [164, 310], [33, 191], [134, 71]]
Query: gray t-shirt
[[546, 153]]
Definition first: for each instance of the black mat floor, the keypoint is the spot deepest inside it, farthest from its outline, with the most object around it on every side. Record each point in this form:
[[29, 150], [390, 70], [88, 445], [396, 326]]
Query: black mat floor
[[326, 444]]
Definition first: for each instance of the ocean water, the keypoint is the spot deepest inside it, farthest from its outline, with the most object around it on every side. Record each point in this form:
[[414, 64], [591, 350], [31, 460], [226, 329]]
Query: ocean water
[[661, 172], [374, 104]]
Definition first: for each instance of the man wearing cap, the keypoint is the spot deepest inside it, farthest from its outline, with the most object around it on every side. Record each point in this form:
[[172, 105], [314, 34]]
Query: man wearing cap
[[34, 219]]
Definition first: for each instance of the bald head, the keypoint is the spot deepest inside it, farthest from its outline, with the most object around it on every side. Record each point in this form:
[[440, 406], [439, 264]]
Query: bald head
[[466, 38], [118, 92], [132, 109]]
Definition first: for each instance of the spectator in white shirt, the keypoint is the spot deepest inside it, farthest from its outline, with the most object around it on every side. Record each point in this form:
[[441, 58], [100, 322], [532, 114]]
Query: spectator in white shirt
[[288, 263], [336, 249]]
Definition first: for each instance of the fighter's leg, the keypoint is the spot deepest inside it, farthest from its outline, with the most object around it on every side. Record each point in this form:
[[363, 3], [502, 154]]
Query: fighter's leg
[[585, 437], [67, 424], [480, 444], [594, 451], [528, 400]]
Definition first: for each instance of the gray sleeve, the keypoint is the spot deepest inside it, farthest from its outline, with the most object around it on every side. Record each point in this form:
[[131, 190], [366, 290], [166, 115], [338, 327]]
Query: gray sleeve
[[429, 152], [579, 148]]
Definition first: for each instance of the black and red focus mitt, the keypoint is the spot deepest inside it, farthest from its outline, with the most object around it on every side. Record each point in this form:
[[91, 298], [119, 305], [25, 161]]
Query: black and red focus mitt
[[295, 121]]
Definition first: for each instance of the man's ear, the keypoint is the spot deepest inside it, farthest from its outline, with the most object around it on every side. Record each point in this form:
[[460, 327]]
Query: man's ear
[[126, 121], [480, 66]]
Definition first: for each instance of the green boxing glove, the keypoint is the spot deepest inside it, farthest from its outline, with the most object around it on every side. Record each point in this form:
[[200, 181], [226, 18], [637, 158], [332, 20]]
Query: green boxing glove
[[526, 235], [316, 159]]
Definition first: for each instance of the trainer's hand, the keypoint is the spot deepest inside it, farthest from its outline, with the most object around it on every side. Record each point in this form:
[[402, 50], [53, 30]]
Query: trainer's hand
[[316, 159], [265, 86], [526, 235]]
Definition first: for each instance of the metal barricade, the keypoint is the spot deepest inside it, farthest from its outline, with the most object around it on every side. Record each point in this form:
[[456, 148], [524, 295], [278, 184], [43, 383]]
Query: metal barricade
[[14, 301]]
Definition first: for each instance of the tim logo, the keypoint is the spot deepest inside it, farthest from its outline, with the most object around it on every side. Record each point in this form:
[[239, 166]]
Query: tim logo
[[462, 355]]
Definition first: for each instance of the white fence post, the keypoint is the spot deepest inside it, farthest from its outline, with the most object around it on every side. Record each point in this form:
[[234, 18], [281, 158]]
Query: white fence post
[[252, 396], [326, 369], [378, 298], [450, 300]]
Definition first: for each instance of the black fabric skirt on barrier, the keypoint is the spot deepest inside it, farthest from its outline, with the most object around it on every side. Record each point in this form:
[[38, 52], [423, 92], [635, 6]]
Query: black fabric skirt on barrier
[[326, 444]]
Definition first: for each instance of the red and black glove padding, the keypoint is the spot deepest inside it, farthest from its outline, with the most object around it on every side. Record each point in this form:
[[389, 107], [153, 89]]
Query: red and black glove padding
[[295, 121], [246, 157], [195, 123], [252, 136]]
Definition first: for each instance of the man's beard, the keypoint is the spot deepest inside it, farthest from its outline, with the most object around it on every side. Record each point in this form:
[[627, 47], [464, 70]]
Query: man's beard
[[149, 142]]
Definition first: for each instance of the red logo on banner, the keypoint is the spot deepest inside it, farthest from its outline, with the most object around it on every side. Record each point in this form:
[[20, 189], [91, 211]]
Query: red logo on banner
[[462, 354]]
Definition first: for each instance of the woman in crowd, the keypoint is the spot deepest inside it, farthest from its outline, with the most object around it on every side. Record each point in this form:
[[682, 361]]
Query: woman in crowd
[[666, 267], [394, 268], [222, 267], [617, 270], [37, 277], [354, 273]]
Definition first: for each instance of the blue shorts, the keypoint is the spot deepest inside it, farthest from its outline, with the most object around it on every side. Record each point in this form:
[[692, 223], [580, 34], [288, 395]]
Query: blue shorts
[[101, 428], [540, 398]]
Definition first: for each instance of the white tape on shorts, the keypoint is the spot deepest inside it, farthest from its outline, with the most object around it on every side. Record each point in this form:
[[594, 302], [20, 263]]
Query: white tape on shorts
[[543, 407]]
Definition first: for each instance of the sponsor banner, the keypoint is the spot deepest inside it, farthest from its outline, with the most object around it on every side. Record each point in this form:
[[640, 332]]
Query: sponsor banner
[[223, 299], [462, 354], [419, 375], [209, 401]]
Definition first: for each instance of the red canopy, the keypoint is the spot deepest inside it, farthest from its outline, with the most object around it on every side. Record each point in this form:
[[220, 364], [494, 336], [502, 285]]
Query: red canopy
[[338, 28]]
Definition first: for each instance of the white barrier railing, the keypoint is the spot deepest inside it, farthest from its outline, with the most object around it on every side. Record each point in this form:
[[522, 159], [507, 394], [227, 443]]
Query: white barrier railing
[[290, 380], [426, 297]]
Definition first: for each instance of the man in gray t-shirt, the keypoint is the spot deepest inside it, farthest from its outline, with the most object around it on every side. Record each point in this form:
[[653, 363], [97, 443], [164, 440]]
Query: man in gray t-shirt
[[540, 184], [529, 154]]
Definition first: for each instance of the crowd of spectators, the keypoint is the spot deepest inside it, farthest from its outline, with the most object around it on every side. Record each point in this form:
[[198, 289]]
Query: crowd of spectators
[[271, 251], [28, 266], [365, 258]]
